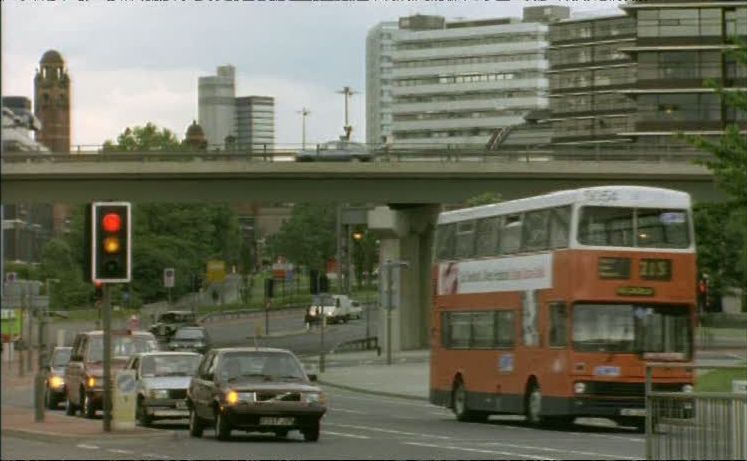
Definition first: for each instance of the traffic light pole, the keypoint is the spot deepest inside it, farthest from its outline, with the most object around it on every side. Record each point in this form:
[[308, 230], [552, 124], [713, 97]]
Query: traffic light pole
[[39, 381], [107, 358]]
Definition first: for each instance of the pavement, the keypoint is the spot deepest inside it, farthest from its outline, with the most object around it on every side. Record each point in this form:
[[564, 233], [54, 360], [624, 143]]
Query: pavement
[[365, 371]]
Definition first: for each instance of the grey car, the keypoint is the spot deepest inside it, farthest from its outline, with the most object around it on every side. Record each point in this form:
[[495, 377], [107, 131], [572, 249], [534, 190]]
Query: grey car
[[162, 382], [336, 151]]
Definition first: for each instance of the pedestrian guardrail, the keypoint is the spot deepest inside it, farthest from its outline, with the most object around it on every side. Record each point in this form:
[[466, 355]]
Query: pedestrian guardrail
[[242, 313], [689, 425], [364, 344]]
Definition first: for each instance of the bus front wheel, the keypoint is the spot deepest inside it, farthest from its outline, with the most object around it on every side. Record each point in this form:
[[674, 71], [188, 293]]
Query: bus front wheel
[[459, 405], [533, 406]]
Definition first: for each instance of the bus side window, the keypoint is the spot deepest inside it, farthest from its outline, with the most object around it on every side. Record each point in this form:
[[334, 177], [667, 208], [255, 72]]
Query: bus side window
[[486, 236], [535, 230], [465, 239], [445, 242], [511, 234], [558, 325], [560, 220], [505, 329]]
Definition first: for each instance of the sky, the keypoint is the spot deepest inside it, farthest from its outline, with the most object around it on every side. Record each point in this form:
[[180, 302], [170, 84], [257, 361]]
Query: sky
[[138, 61]]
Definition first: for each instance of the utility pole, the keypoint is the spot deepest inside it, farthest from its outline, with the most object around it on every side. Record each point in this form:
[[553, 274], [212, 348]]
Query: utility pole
[[347, 92], [304, 112], [107, 307]]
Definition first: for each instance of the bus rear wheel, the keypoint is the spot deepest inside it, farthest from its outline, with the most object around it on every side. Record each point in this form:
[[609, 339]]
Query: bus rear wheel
[[459, 405]]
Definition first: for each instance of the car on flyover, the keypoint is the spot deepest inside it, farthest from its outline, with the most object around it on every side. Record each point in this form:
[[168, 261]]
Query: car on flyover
[[336, 151], [254, 389], [54, 382], [162, 380]]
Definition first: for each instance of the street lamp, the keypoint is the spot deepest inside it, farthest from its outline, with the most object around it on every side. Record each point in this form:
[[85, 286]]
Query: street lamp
[[304, 112]]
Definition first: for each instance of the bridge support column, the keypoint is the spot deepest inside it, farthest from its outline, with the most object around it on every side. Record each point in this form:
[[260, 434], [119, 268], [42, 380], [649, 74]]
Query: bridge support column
[[405, 235]]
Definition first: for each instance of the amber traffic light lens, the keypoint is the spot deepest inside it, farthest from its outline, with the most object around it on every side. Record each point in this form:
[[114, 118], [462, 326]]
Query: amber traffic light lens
[[112, 222], [111, 245]]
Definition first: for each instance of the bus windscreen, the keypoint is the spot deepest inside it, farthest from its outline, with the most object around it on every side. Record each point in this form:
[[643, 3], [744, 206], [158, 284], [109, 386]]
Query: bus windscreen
[[634, 227]]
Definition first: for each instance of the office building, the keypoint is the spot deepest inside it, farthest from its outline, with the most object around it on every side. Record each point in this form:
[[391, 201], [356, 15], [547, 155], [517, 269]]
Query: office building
[[463, 82], [217, 107], [379, 47], [679, 45], [588, 71], [255, 123]]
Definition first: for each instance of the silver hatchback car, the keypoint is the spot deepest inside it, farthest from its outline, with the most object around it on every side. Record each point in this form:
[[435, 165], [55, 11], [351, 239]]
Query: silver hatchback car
[[336, 151], [162, 382]]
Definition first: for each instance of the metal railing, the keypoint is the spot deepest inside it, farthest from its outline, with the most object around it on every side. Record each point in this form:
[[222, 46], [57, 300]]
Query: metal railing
[[702, 425], [363, 344], [404, 153]]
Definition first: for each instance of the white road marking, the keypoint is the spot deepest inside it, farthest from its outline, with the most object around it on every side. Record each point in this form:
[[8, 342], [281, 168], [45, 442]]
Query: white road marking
[[117, 450], [477, 450], [345, 410], [343, 434], [607, 436], [378, 399], [154, 455], [87, 447], [390, 431], [575, 452]]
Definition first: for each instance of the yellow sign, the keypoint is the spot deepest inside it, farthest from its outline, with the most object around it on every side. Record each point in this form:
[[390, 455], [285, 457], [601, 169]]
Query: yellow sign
[[216, 271], [635, 291]]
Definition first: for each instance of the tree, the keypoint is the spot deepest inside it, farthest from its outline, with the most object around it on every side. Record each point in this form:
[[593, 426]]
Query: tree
[[486, 198], [308, 237], [144, 138], [721, 229]]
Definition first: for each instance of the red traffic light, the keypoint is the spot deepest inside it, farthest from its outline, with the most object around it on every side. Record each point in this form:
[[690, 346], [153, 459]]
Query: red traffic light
[[111, 222]]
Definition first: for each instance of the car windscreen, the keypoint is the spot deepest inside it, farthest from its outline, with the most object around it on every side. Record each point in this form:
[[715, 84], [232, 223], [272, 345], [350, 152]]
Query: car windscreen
[[169, 365], [189, 333], [260, 365], [61, 357], [122, 346]]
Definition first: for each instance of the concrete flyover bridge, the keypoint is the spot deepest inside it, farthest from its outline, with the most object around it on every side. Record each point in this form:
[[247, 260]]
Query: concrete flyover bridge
[[411, 185], [412, 177]]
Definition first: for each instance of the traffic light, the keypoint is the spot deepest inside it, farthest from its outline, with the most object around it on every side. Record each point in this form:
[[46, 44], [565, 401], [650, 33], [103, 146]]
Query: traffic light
[[111, 242]]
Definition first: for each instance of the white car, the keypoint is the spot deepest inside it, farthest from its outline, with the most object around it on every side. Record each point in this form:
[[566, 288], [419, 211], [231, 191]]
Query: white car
[[336, 151]]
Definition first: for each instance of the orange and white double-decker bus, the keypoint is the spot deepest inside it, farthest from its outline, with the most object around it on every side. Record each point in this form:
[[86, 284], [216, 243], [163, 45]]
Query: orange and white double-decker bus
[[551, 306]]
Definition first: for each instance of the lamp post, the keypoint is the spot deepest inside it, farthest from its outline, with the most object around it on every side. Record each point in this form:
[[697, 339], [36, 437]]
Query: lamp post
[[304, 112], [347, 92]]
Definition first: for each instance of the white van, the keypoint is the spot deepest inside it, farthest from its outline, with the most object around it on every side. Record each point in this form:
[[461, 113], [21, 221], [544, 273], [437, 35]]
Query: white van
[[336, 308]]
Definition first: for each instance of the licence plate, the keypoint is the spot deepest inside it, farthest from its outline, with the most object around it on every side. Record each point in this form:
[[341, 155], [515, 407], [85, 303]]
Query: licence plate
[[275, 421], [181, 405], [633, 412]]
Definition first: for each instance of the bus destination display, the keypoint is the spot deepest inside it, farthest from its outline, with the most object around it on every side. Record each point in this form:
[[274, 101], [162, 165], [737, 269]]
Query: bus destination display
[[614, 268]]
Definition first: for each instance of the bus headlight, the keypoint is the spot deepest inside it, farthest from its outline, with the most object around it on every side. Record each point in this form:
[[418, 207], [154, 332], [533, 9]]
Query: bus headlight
[[687, 388], [579, 388]]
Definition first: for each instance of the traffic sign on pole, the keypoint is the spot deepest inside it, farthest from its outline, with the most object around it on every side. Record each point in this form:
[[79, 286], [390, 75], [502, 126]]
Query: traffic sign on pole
[[169, 277]]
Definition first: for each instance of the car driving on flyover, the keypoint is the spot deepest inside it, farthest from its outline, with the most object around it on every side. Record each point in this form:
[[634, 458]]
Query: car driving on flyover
[[336, 151], [254, 390]]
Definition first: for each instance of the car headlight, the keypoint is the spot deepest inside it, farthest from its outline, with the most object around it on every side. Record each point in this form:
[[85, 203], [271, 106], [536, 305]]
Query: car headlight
[[92, 382], [579, 388], [315, 397], [234, 397], [56, 382], [687, 388], [159, 393]]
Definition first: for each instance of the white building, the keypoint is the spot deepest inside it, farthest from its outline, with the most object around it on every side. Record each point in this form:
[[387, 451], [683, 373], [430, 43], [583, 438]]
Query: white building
[[461, 82], [379, 47], [255, 123], [217, 107]]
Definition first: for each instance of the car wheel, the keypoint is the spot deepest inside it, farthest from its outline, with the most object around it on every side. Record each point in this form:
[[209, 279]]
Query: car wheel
[[283, 433], [533, 405], [142, 415], [222, 427], [69, 407], [89, 411], [311, 434], [195, 424]]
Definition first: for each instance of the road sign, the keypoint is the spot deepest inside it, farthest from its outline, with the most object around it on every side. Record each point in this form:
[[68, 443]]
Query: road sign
[[123, 405], [169, 277], [216, 271]]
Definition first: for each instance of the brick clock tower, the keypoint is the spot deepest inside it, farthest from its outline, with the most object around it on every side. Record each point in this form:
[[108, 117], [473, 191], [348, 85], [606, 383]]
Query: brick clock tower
[[52, 108], [52, 102]]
